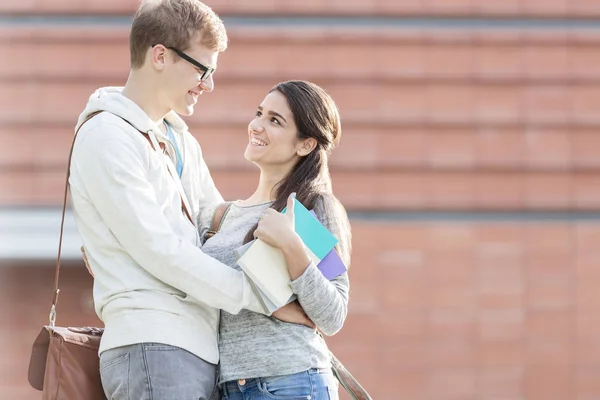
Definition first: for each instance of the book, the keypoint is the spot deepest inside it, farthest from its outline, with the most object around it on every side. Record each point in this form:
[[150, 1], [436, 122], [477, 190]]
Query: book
[[266, 267], [270, 306]]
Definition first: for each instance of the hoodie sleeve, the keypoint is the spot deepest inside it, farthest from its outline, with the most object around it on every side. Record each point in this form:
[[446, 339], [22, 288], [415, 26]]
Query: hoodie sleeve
[[112, 166]]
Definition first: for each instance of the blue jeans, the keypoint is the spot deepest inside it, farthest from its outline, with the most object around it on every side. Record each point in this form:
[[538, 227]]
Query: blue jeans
[[314, 384], [152, 371]]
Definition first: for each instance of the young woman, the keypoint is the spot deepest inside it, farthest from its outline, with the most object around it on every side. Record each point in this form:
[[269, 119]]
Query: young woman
[[290, 139]]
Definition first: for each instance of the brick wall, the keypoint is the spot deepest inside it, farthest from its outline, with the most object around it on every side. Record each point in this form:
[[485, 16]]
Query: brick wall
[[491, 300]]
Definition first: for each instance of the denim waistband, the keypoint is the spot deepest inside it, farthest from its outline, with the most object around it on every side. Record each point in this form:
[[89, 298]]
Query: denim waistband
[[251, 383]]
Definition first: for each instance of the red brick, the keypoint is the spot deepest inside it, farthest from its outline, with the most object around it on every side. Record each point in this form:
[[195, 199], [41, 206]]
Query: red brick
[[550, 324], [503, 324], [449, 61], [500, 61], [401, 148], [452, 149], [500, 191], [404, 295], [586, 100], [586, 191], [588, 352], [408, 60], [585, 147], [588, 320], [450, 6], [501, 382], [411, 385], [452, 237], [547, 104], [406, 354], [450, 265], [548, 149], [451, 191], [545, 238], [546, 62], [406, 236], [587, 293], [399, 191], [548, 191], [450, 103], [500, 288], [455, 293], [543, 382], [549, 7], [586, 265], [582, 60], [499, 241], [550, 292], [455, 323], [499, 104], [587, 384], [451, 353], [500, 147], [586, 238], [508, 7], [452, 383], [547, 351], [584, 8]]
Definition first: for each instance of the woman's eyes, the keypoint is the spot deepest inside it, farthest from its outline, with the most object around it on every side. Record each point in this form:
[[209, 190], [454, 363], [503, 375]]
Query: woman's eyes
[[273, 119]]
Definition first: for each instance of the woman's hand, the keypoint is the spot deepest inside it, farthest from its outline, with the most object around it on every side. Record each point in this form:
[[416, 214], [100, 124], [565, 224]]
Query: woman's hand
[[277, 230], [294, 313]]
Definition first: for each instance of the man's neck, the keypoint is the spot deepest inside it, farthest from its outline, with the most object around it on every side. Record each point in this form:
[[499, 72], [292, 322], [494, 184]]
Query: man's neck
[[145, 96]]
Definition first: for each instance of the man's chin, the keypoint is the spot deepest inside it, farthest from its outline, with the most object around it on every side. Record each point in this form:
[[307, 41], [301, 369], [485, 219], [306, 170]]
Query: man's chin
[[185, 111]]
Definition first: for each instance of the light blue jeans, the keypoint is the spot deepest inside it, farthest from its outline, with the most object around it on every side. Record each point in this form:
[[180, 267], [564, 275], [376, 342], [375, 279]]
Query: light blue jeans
[[152, 371], [314, 384]]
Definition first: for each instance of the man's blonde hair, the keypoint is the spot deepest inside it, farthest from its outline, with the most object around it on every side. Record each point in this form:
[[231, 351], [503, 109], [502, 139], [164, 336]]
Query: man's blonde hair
[[174, 23]]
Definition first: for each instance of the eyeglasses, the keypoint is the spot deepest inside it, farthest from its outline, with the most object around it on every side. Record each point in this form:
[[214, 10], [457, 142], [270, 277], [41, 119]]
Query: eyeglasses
[[206, 71]]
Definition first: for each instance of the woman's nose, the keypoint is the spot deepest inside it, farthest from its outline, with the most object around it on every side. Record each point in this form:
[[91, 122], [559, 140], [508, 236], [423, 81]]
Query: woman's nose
[[256, 125]]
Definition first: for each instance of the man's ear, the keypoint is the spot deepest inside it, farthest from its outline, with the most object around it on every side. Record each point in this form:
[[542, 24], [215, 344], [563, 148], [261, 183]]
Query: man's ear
[[306, 146], [158, 56]]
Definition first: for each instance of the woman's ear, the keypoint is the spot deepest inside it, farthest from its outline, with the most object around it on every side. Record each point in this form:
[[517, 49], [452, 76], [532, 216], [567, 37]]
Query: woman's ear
[[306, 146]]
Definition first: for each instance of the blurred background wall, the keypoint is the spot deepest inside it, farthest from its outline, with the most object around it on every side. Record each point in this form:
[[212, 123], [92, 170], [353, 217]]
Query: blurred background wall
[[469, 163]]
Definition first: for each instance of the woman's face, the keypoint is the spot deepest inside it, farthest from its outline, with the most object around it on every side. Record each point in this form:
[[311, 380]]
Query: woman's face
[[273, 135]]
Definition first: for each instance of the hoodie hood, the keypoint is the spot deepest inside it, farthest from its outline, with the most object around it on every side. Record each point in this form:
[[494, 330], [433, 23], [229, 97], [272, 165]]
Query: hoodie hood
[[111, 99]]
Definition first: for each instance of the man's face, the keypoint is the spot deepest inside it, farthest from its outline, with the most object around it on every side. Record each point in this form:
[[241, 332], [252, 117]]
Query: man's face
[[181, 79]]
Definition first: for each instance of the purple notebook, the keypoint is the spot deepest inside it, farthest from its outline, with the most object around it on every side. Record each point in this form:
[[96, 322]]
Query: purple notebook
[[331, 266]]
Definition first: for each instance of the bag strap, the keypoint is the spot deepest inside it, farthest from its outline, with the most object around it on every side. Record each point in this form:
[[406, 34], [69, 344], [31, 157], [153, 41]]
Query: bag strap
[[182, 195], [217, 219], [184, 202], [345, 378], [52, 316]]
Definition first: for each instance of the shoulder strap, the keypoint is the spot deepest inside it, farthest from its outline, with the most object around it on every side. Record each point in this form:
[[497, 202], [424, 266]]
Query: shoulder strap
[[62, 224], [184, 202], [217, 220]]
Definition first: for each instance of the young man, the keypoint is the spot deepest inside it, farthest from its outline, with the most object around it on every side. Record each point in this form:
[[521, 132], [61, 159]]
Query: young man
[[157, 293]]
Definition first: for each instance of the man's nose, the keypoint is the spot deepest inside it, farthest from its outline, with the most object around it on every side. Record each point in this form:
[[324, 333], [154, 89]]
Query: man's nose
[[208, 85]]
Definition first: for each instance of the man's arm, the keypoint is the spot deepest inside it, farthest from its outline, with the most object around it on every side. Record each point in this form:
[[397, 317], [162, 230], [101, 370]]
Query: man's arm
[[112, 166]]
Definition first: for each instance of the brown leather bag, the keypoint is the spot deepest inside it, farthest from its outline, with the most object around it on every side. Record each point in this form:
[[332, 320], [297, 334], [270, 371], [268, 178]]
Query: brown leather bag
[[348, 382], [64, 362]]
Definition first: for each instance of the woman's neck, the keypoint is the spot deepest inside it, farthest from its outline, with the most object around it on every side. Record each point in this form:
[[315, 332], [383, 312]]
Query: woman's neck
[[265, 191]]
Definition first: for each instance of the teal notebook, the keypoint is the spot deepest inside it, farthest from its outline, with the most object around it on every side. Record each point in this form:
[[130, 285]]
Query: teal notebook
[[314, 235]]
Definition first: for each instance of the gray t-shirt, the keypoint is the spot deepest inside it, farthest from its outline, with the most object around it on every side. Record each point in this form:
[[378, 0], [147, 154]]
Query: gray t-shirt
[[253, 345]]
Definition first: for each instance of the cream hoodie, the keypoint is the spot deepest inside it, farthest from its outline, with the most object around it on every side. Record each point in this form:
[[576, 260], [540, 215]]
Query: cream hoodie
[[152, 282]]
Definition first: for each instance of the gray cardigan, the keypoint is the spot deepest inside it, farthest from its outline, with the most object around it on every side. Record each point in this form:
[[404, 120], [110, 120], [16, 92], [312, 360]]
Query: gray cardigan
[[254, 345]]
